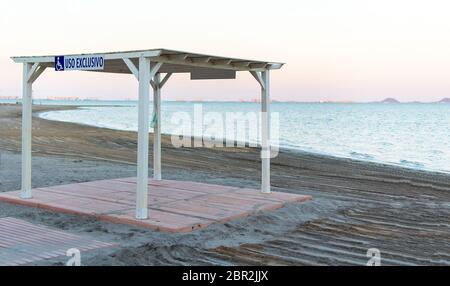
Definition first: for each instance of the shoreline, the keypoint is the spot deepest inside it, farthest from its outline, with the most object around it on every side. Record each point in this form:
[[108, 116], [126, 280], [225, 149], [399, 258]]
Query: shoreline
[[442, 101], [297, 151], [356, 205]]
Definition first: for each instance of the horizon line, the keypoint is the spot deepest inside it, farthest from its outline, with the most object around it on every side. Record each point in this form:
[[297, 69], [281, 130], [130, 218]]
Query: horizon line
[[385, 101]]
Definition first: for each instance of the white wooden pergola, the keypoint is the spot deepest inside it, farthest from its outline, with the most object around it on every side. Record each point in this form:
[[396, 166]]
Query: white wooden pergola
[[147, 66]]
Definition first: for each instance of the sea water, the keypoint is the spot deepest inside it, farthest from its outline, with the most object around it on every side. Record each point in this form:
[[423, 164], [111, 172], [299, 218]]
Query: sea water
[[412, 135]]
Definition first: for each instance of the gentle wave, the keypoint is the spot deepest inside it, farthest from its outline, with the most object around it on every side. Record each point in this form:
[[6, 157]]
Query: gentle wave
[[409, 135], [412, 164], [361, 156]]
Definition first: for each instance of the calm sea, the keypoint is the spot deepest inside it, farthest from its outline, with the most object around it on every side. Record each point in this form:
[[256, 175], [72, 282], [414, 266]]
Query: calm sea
[[411, 135]]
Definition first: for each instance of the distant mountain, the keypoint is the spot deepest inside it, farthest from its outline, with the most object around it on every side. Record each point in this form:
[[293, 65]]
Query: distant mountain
[[390, 100], [444, 100]]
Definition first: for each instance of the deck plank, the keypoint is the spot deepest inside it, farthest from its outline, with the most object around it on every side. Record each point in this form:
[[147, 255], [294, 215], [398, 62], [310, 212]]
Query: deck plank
[[23, 242], [174, 206]]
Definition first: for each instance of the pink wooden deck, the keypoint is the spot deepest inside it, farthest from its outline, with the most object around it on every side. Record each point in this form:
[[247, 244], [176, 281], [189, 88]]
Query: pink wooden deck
[[22, 242], [174, 206]]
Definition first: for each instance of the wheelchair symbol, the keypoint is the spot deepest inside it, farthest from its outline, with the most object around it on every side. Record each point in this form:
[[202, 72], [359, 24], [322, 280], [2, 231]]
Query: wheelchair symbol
[[58, 65]]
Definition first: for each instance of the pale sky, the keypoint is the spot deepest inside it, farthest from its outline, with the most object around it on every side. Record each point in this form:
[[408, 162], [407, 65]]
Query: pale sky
[[356, 50]]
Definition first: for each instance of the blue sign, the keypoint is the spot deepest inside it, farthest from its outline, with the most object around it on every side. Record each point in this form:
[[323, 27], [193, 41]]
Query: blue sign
[[59, 63], [65, 63]]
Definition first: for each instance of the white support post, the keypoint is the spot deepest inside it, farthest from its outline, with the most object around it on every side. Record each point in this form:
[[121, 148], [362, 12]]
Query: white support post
[[143, 129], [157, 128], [265, 132], [26, 131]]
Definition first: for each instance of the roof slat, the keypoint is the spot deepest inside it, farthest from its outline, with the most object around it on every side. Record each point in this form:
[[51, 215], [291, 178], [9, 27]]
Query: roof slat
[[173, 61]]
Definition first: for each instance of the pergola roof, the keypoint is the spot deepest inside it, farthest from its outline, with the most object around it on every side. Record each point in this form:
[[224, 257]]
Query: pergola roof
[[173, 62]]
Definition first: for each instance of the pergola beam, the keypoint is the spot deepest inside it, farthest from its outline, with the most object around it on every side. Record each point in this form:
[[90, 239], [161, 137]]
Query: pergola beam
[[107, 56], [180, 57], [166, 56], [133, 69], [200, 59], [37, 73], [226, 64], [258, 65], [165, 79], [33, 69], [258, 77], [154, 69], [241, 64], [221, 61]]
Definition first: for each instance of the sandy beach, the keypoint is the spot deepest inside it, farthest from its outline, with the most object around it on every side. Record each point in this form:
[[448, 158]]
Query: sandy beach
[[356, 205]]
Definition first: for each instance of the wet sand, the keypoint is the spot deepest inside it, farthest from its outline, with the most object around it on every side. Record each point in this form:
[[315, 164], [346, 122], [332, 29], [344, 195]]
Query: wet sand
[[356, 206]]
